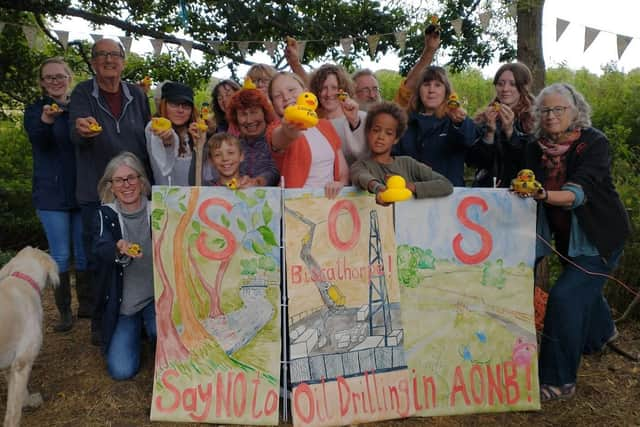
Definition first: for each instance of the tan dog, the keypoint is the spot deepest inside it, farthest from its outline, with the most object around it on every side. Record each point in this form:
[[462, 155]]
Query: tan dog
[[21, 283]]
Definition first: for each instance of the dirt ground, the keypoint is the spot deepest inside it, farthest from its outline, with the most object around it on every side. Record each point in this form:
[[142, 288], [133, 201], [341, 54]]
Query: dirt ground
[[71, 376]]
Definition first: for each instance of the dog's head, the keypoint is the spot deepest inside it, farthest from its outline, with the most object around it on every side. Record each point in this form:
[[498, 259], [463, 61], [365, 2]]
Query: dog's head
[[36, 263]]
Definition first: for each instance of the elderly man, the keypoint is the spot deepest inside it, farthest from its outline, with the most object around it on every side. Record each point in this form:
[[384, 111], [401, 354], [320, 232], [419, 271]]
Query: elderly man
[[367, 88], [107, 116]]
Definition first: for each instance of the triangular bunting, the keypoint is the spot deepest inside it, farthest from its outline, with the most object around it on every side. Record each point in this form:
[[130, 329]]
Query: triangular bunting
[[561, 25], [270, 47], [96, 37], [244, 47], [373, 44], [30, 34], [63, 37], [346, 44], [126, 43], [401, 39], [302, 44], [485, 17], [457, 26], [623, 42], [187, 45], [590, 35], [157, 46], [215, 45]]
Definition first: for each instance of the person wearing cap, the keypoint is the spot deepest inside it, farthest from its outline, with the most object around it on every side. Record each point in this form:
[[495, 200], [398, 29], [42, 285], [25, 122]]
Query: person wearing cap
[[171, 149], [106, 117]]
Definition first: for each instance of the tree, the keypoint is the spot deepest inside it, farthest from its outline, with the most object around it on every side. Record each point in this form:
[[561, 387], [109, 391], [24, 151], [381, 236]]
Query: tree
[[529, 26]]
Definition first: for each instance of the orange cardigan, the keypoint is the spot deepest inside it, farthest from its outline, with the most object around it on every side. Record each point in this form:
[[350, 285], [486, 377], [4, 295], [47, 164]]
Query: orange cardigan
[[294, 163]]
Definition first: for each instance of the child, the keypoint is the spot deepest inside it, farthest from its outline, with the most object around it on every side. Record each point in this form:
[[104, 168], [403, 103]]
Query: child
[[225, 155], [385, 124]]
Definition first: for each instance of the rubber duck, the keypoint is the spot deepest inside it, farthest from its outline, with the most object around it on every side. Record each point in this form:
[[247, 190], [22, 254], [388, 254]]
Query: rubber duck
[[496, 106], [232, 184], [342, 95], [146, 82], [95, 127], [304, 111], [453, 102], [248, 84], [396, 191], [134, 249], [434, 25], [54, 108], [204, 114], [525, 182], [160, 124]]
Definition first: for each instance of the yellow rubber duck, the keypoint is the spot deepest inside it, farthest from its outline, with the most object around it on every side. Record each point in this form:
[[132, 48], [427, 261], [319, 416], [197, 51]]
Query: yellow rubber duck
[[396, 191], [304, 111], [134, 249], [453, 102], [54, 108], [204, 114], [160, 124], [525, 182], [249, 84], [146, 82], [342, 95], [95, 127], [496, 106], [232, 184]]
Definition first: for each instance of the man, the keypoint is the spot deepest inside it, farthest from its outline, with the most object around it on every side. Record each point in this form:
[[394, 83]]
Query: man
[[107, 116], [367, 88]]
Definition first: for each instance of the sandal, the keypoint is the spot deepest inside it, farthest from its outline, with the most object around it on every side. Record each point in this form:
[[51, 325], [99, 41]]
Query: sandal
[[563, 392]]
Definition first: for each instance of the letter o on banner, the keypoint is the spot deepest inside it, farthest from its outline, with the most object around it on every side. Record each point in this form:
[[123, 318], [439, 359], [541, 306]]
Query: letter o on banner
[[344, 245]]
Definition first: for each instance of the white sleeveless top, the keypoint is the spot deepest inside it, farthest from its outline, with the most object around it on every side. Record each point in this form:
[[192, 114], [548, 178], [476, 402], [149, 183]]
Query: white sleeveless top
[[322, 159]]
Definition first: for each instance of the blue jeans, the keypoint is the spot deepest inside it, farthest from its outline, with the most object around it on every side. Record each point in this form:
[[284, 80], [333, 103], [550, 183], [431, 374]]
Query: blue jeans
[[64, 230], [123, 355], [578, 319]]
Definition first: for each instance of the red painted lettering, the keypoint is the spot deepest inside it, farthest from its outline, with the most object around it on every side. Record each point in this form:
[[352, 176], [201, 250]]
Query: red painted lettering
[[270, 403], [344, 396], [201, 243], [256, 384], [459, 387], [485, 236], [303, 390], [344, 245], [495, 384], [475, 383], [206, 396], [239, 402], [430, 392], [511, 382], [171, 388], [223, 399]]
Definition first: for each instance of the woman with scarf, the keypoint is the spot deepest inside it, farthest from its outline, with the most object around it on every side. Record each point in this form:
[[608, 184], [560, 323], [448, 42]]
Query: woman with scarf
[[580, 209]]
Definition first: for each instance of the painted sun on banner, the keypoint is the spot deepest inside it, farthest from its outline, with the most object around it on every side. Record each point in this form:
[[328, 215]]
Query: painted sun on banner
[[465, 265], [217, 278], [345, 328]]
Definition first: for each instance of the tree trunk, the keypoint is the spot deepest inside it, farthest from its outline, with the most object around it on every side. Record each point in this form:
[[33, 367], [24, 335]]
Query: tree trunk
[[529, 28]]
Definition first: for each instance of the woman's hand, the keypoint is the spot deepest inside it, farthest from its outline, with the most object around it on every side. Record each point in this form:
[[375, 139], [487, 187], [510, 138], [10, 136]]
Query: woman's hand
[[165, 135], [457, 115], [129, 249], [351, 109], [332, 189], [507, 117], [49, 114], [199, 136]]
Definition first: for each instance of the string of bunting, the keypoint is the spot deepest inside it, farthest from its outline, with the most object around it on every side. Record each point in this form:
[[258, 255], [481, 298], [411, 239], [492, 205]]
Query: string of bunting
[[590, 34]]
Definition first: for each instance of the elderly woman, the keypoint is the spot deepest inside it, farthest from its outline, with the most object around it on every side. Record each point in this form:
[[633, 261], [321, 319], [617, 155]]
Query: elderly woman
[[504, 127], [573, 162], [123, 239], [437, 135]]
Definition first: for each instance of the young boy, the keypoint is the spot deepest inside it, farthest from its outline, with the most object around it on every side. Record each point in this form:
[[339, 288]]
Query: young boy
[[385, 124], [225, 155]]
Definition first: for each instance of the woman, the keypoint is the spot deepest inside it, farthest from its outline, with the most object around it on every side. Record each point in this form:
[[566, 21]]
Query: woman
[[123, 239], [327, 83], [504, 128], [54, 185], [310, 158], [261, 75], [437, 135], [580, 208], [171, 150], [220, 97]]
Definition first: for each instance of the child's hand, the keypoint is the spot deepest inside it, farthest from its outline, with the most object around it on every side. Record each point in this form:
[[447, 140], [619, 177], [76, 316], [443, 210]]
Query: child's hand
[[379, 196], [332, 189], [291, 130]]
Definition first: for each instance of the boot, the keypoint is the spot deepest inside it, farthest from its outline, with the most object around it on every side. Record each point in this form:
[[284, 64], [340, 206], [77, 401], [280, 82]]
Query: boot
[[63, 301], [83, 291]]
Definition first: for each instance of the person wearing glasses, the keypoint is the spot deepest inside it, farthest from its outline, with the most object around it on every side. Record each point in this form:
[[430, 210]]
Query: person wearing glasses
[[170, 150], [367, 89], [106, 116], [54, 184], [123, 249], [572, 160]]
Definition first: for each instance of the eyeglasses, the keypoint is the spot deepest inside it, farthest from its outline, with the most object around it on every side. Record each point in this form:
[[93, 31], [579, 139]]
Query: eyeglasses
[[53, 78], [119, 182], [368, 91], [113, 54], [557, 111], [176, 105]]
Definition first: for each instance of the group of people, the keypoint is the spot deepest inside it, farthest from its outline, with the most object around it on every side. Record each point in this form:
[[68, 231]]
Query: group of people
[[97, 152]]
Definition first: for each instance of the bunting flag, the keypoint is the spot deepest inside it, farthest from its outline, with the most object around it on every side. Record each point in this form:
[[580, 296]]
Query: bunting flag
[[96, 37], [347, 44], [401, 39], [302, 44], [373, 40], [215, 45], [244, 47], [157, 46], [30, 33], [270, 47], [622, 42], [126, 43], [187, 45], [561, 25], [63, 38], [485, 17], [590, 35], [457, 26]]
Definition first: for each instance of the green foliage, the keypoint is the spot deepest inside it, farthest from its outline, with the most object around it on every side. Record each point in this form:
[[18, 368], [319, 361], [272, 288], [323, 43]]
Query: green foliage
[[474, 90], [493, 274], [389, 82], [410, 259]]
